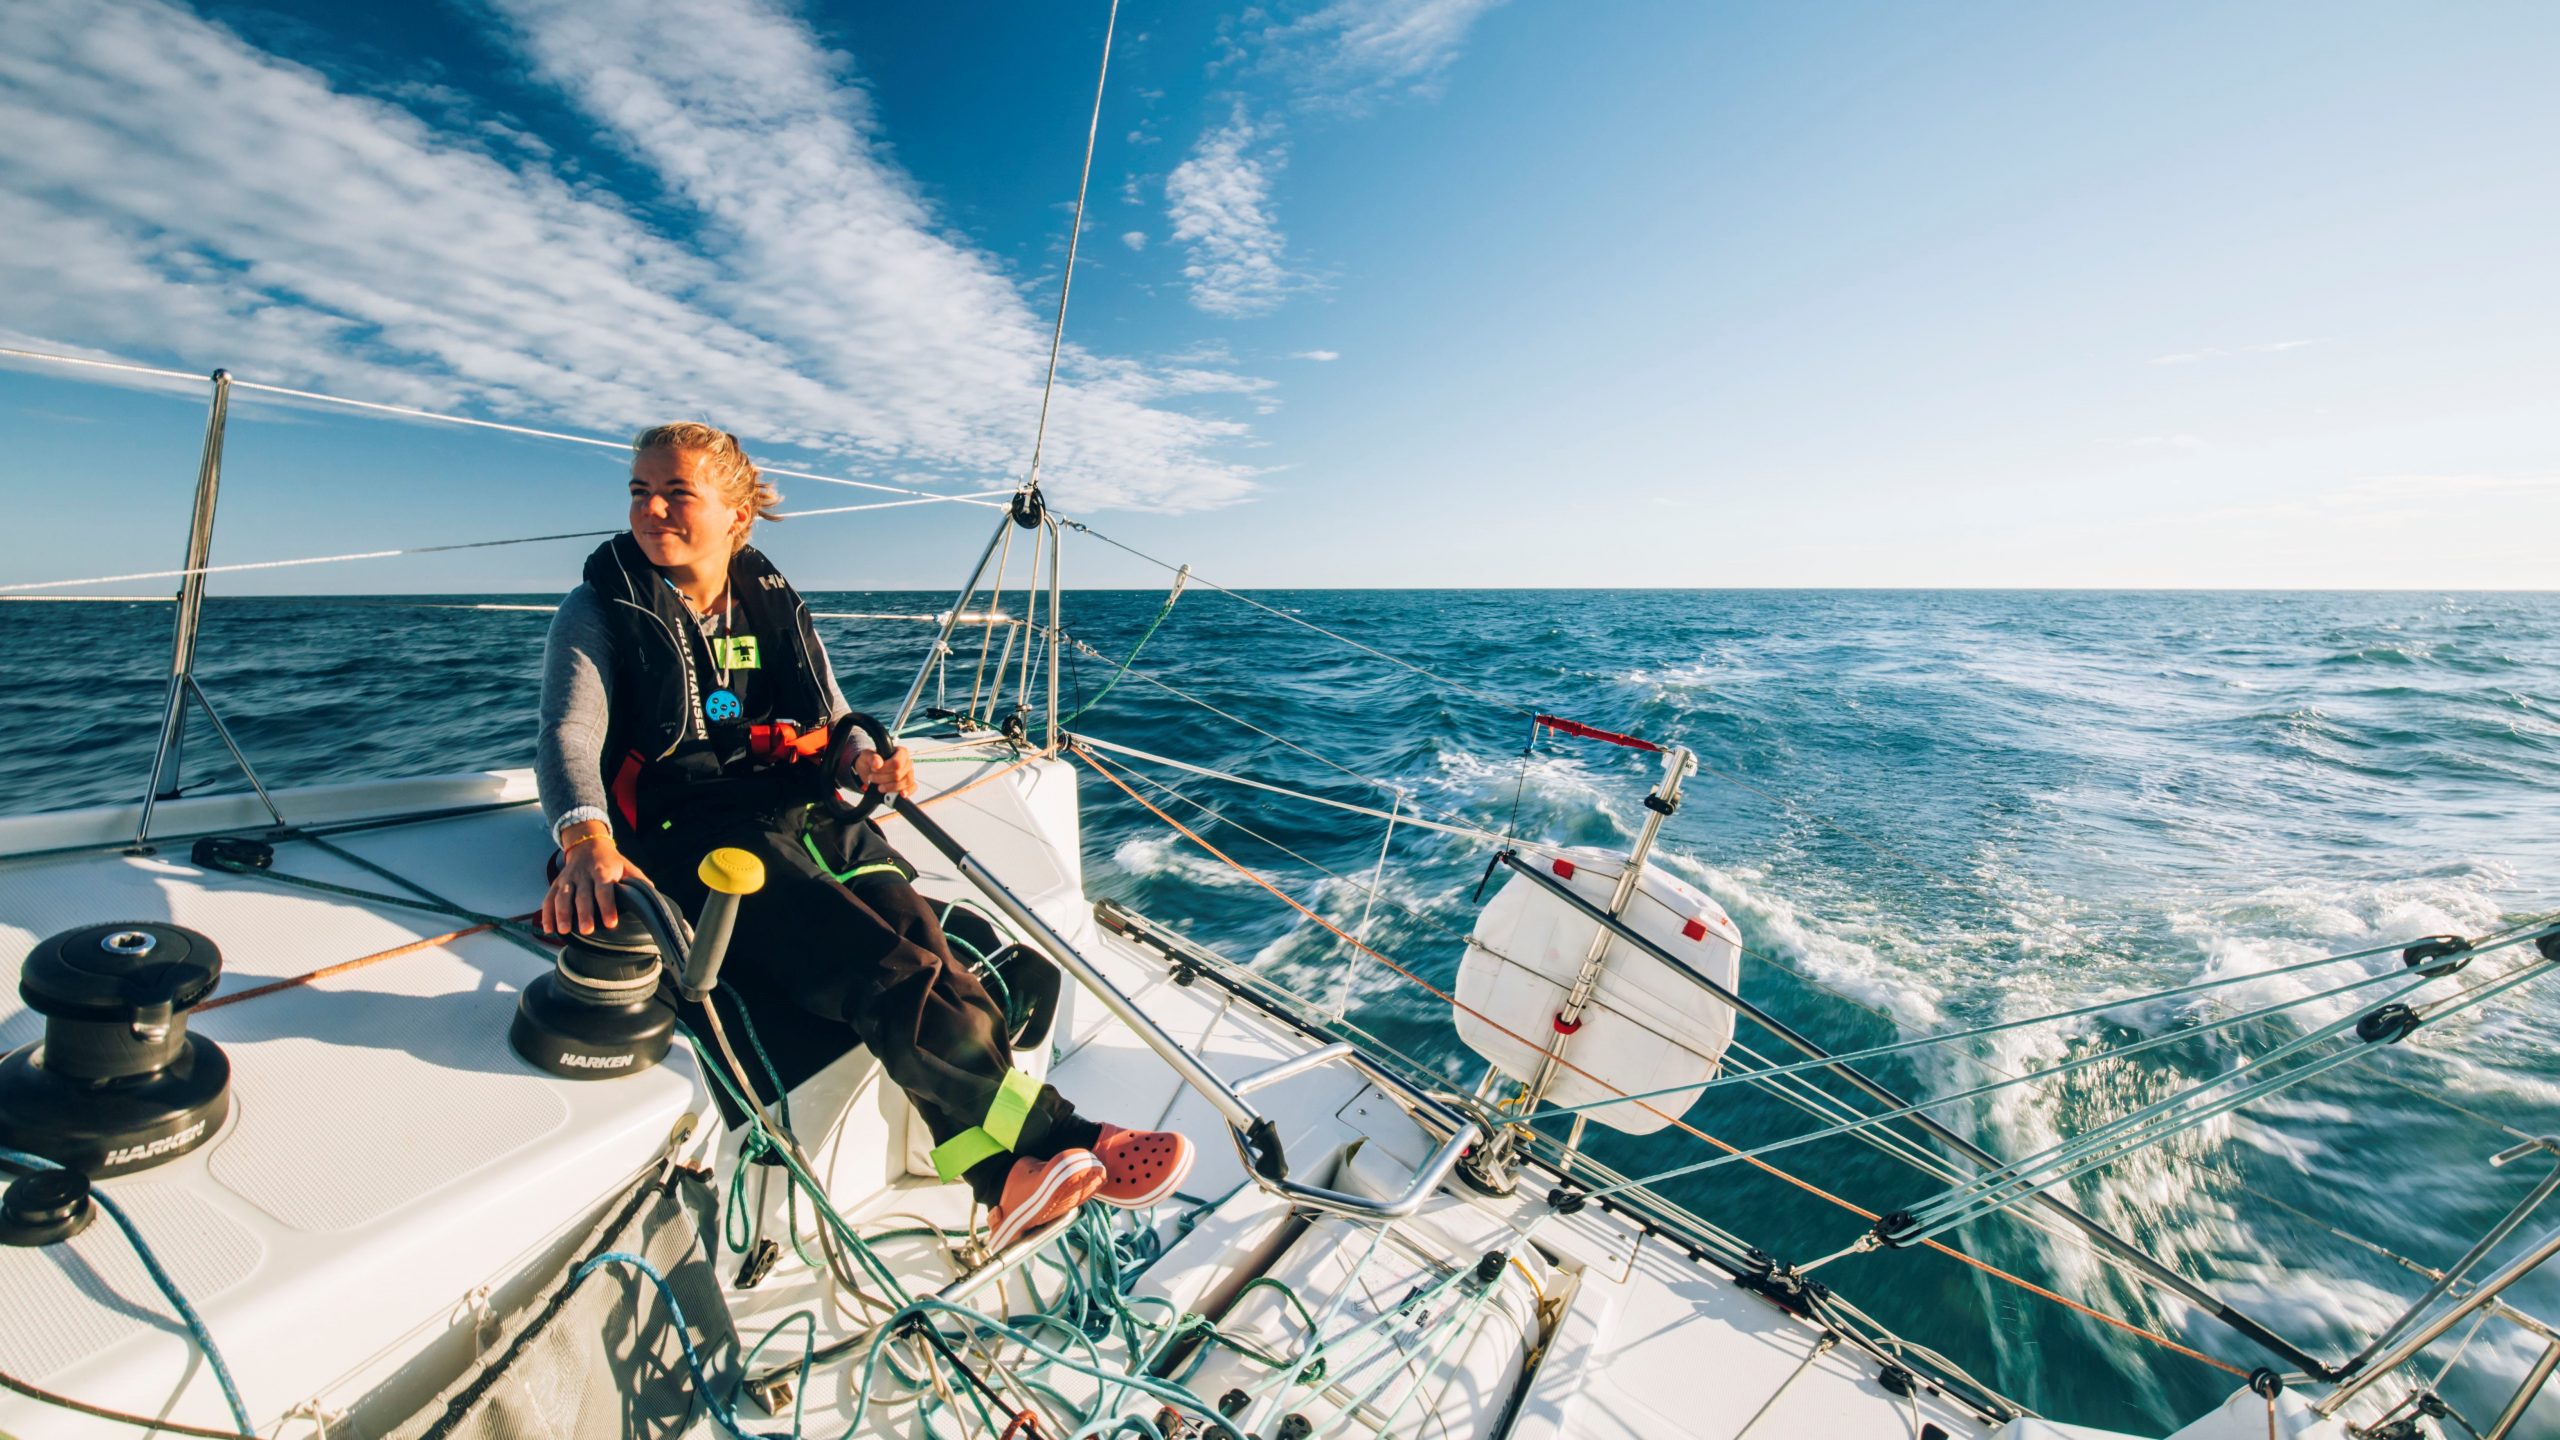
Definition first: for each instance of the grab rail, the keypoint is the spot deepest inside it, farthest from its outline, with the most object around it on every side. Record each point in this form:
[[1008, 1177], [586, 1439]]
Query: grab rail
[[1463, 1134]]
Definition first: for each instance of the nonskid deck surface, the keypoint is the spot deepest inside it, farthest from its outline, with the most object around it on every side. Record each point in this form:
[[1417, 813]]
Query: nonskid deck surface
[[393, 1179]]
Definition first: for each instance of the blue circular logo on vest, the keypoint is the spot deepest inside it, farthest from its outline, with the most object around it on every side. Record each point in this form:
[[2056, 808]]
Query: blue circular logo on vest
[[721, 705]]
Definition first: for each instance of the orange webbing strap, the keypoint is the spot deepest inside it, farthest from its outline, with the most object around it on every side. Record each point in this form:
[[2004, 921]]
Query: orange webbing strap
[[1800, 1183]]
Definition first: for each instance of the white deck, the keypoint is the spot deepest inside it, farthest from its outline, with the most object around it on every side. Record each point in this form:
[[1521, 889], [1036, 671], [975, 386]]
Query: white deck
[[391, 1167]]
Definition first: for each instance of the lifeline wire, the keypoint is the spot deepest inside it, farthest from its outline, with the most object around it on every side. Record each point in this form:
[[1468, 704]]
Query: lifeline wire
[[1515, 707], [1510, 837], [414, 550], [414, 413], [1785, 1082], [1799, 1182]]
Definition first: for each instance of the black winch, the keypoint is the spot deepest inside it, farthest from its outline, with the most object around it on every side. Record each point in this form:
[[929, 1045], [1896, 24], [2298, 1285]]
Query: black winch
[[598, 1013], [603, 1010], [116, 1084]]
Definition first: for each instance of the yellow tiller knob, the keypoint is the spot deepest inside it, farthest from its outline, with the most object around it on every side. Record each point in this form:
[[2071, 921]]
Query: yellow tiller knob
[[732, 871]]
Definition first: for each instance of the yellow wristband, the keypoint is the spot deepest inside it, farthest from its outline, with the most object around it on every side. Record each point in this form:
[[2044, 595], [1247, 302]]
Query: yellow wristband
[[583, 839]]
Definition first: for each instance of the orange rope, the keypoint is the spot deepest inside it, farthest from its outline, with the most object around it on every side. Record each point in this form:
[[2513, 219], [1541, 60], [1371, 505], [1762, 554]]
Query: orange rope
[[343, 966], [1800, 1183], [928, 804], [395, 952]]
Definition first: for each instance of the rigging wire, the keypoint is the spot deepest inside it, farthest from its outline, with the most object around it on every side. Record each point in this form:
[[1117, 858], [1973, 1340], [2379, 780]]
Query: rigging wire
[[415, 413], [1799, 1182], [23, 587], [1786, 1083], [1075, 234], [1304, 623], [2430, 1096], [1515, 707]]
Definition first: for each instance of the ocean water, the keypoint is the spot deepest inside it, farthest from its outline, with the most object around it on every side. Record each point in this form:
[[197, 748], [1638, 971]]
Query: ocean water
[[1924, 810]]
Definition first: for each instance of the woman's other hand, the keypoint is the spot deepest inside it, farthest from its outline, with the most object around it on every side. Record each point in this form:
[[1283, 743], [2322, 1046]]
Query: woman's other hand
[[581, 895], [894, 772]]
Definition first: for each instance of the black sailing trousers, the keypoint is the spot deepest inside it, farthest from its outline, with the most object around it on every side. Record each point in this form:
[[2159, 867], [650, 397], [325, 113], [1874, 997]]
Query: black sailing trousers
[[867, 952]]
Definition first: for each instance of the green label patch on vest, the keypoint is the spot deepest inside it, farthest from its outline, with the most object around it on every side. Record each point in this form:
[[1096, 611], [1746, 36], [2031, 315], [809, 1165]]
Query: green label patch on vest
[[736, 652]]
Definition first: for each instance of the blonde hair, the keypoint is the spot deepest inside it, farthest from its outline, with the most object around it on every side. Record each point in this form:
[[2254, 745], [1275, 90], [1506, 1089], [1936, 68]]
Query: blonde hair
[[726, 468]]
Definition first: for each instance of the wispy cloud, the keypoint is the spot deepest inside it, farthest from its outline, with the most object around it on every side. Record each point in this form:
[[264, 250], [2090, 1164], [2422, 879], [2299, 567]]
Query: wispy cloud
[[2419, 489], [1134, 239], [1219, 202], [170, 190], [1344, 56], [2273, 347], [1319, 356], [1352, 53]]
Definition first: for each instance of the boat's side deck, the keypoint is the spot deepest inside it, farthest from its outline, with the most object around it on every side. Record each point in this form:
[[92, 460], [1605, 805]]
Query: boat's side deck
[[391, 1164]]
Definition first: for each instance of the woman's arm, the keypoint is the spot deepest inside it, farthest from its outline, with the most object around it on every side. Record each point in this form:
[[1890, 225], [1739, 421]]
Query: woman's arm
[[577, 706], [897, 773]]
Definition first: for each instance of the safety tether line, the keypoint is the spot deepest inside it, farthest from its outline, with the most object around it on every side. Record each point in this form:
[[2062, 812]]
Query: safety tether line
[[1798, 1182]]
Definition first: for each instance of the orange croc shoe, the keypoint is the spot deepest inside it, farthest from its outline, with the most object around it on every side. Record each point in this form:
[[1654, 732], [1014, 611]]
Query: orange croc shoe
[[1145, 1166], [1039, 1191]]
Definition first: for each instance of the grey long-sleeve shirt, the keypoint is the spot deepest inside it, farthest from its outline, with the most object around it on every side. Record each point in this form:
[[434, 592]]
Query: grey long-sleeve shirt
[[577, 700]]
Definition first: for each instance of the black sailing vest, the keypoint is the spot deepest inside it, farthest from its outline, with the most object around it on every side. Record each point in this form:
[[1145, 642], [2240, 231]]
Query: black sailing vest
[[665, 762]]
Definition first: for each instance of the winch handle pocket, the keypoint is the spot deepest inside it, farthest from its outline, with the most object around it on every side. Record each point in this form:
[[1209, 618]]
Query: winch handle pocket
[[840, 757]]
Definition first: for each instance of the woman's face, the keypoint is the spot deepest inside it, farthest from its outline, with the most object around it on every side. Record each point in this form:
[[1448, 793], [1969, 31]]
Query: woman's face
[[679, 519]]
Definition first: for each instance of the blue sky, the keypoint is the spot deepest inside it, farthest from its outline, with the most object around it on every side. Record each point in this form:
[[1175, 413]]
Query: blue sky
[[1435, 292]]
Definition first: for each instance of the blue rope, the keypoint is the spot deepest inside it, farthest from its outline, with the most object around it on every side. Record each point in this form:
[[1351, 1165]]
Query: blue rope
[[160, 1277], [723, 1410]]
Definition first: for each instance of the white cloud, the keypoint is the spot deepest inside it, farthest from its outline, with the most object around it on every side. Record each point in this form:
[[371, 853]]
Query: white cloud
[[1317, 355], [170, 190], [1349, 53], [1134, 239], [1219, 202], [1341, 56]]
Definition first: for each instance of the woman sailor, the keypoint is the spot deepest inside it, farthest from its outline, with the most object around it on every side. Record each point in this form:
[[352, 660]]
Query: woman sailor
[[666, 672]]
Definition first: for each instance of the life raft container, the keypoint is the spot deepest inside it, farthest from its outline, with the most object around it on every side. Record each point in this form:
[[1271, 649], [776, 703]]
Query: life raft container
[[1649, 1026]]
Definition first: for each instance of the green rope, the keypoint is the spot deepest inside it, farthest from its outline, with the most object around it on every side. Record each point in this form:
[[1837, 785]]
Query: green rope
[[1132, 658]]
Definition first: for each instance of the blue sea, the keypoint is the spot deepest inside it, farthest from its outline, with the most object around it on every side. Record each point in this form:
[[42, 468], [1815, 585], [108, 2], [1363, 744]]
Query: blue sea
[[1924, 809]]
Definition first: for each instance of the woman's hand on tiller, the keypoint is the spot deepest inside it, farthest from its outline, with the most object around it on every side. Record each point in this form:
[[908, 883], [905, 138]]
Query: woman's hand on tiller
[[581, 895], [894, 772]]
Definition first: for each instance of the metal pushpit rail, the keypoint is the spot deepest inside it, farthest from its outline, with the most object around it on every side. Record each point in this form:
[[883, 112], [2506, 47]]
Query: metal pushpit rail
[[1462, 1134], [1257, 1140]]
